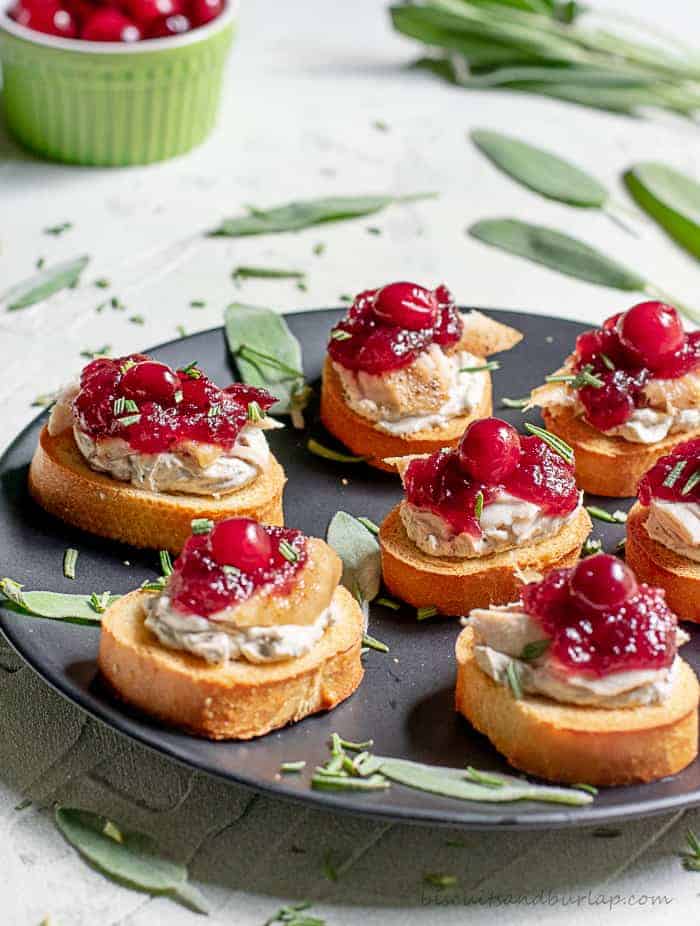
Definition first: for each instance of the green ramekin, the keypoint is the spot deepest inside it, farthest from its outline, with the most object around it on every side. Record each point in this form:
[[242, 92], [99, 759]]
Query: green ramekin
[[112, 104]]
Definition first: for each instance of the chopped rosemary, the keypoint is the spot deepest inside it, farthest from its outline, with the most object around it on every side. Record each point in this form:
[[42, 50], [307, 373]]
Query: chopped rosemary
[[40, 263], [340, 743], [487, 367], [478, 504], [607, 361], [320, 451], [127, 365], [428, 610], [691, 858], [288, 768], [230, 571], [192, 370], [202, 525], [556, 443], [319, 248], [197, 303], [515, 403], [590, 789], [373, 230], [591, 546], [214, 410], [373, 643], [98, 352], [483, 778], [288, 551], [70, 559], [380, 125], [345, 297], [254, 413], [99, 603], [130, 406], [584, 377], [339, 334], [102, 283], [44, 400], [57, 230], [137, 319], [119, 406], [154, 585], [674, 475], [166, 563], [128, 420], [435, 879], [534, 649], [388, 603], [513, 678], [370, 525], [617, 517], [181, 331], [265, 273], [691, 483]]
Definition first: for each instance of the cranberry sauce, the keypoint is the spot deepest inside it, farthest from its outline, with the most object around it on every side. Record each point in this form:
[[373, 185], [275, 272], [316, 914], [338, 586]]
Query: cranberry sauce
[[600, 620], [646, 342], [236, 559], [675, 477], [441, 483], [154, 408], [387, 328]]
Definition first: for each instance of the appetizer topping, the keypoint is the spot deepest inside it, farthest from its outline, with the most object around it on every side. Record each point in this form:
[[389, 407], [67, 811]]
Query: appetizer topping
[[389, 327], [590, 635], [489, 446], [671, 491], [637, 377]]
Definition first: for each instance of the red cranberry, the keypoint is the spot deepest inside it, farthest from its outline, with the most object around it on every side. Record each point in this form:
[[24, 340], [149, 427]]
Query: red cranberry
[[651, 331], [241, 542], [150, 380], [203, 11], [110, 25], [46, 16], [147, 11], [168, 25], [603, 582], [489, 449], [406, 305]]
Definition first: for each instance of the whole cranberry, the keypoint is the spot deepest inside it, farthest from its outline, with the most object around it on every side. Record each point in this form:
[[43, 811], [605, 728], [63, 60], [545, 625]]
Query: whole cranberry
[[241, 542], [167, 26], [406, 305], [110, 25], [46, 16], [651, 331], [203, 11], [603, 582], [144, 12], [150, 380], [489, 450]]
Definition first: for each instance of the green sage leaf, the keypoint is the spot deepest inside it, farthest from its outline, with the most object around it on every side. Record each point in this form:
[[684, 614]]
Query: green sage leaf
[[671, 198], [268, 334], [305, 213], [131, 859], [54, 605], [540, 170], [48, 281], [558, 251], [359, 551]]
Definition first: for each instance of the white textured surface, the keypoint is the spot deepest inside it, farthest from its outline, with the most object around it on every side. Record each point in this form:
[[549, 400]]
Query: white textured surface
[[307, 80]]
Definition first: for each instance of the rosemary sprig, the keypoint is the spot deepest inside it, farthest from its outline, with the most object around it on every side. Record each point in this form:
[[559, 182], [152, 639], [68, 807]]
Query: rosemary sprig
[[339, 334], [388, 603], [192, 370], [128, 420], [99, 603], [607, 361], [370, 525], [591, 546], [166, 563], [313, 446], [478, 504], [254, 413], [600, 514], [674, 475], [585, 377], [691, 483], [556, 443], [70, 559], [289, 768], [513, 677], [515, 403], [288, 551], [489, 366], [428, 610], [373, 643]]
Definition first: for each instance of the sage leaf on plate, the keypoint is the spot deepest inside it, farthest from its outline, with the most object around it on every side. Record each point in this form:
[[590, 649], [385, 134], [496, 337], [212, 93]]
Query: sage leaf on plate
[[305, 213], [48, 281], [670, 198], [358, 549], [55, 605], [267, 335], [129, 858], [558, 251], [453, 782], [540, 170]]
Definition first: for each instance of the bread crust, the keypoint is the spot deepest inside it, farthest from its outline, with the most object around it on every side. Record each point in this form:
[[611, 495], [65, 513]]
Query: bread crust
[[64, 485], [362, 438], [455, 586], [656, 564], [571, 744], [608, 466], [238, 700]]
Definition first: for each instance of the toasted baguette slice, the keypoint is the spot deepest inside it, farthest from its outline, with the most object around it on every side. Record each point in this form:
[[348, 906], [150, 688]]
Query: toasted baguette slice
[[656, 564], [61, 482], [364, 439], [609, 466], [455, 586], [573, 744], [237, 700]]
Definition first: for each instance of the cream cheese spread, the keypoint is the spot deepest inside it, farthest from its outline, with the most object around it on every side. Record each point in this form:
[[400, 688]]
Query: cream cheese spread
[[676, 525], [219, 641]]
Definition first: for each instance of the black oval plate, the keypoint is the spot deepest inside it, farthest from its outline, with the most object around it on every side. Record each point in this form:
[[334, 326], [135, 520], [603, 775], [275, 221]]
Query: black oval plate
[[406, 700]]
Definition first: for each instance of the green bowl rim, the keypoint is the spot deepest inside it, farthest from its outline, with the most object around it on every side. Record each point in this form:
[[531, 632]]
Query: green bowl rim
[[201, 34]]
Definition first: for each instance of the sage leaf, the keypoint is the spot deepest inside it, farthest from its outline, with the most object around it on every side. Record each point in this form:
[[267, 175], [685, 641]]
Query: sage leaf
[[131, 859], [265, 331], [670, 198], [359, 551], [301, 214], [54, 605], [558, 251], [48, 281], [453, 782], [540, 170]]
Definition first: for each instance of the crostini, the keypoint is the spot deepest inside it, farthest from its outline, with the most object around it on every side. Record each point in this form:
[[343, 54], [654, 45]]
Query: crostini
[[477, 517], [579, 680], [250, 632], [627, 395], [663, 529], [406, 372], [136, 450]]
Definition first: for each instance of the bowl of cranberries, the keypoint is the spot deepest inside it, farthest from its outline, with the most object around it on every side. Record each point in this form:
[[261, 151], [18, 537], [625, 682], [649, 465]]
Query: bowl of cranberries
[[113, 82]]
